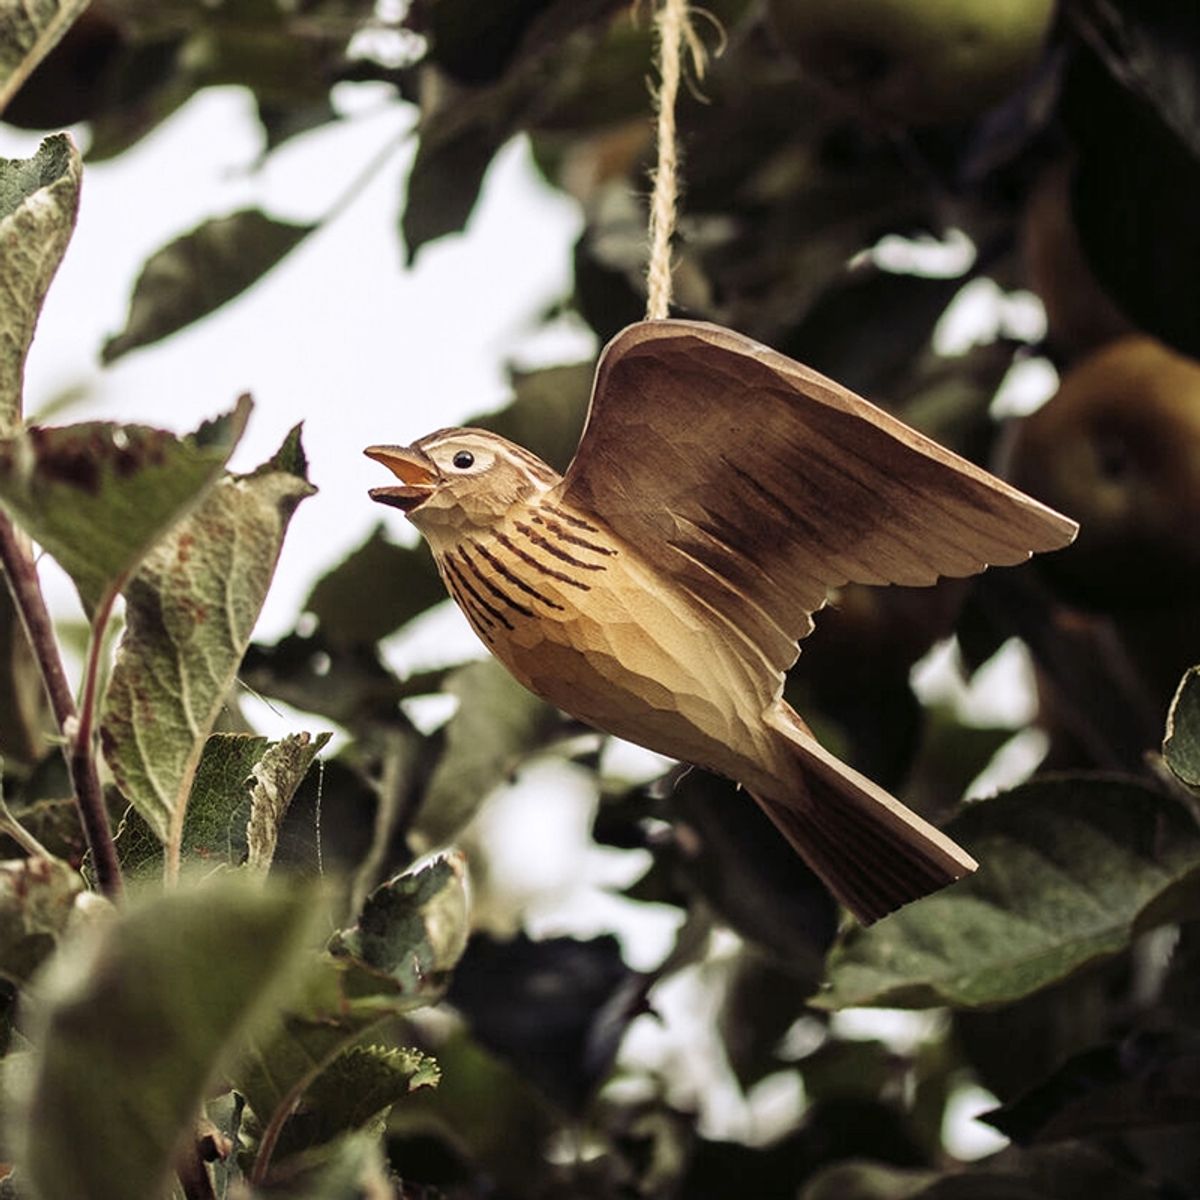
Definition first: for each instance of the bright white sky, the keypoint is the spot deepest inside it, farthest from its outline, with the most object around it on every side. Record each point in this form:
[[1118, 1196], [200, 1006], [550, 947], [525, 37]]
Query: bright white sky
[[340, 335]]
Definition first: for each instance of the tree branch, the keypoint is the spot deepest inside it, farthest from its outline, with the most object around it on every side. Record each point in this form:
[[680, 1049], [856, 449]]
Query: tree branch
[[21, 573]]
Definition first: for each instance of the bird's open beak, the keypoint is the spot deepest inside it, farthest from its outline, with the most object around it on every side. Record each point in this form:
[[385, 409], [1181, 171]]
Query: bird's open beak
[[413, 468]]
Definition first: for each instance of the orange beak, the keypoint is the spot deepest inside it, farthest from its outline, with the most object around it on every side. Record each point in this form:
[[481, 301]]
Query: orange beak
[[413, 468]]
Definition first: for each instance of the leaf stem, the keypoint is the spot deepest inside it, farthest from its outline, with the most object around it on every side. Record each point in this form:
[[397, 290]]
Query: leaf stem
[[193, 1174], [21, 573]]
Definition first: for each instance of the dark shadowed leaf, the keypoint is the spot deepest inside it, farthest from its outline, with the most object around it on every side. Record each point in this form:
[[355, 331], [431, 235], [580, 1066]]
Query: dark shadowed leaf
[[483, 1110], [497, 725], [1045, 1173], [1150, 49], [547, 411], [37, 896], [1151, 1078], [135, 1023], [38, 200], [858, 1180], [473, 43], [378, 588], [452, 158], [1071, 869], [98, 496], [198, 272], [1061, 1172], [555, 1009], [736, 859], [1050, 1027], [189, 612], [1134, 177], [1181, 747], [28, 31], [762, 1002]]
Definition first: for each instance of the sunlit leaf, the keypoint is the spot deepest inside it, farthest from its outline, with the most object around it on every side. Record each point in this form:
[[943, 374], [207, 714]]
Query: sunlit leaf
[[411, 931], [1181, 747], [498, 723], [38, 200], [355, 1089], [190, 611], [1071, 869], [240, 795], [36, 899], [198, 272], [28, 31], [97, 496], [274, 780], [137, 1021]]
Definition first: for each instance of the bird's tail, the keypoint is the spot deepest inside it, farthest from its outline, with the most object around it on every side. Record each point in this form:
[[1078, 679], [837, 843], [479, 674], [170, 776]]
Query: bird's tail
[[872, 852]]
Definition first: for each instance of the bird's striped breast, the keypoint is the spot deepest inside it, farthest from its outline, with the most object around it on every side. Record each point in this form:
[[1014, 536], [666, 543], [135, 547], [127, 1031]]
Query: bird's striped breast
[[533, 567]]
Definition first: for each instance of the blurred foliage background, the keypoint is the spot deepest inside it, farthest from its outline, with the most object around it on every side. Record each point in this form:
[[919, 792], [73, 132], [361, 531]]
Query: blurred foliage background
[[853, 172]]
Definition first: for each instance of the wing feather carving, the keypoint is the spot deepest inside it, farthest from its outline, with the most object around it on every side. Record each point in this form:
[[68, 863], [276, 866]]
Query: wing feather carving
[[759, 484]]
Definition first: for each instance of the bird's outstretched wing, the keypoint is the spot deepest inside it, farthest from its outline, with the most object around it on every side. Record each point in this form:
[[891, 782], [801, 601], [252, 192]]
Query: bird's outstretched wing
[[759, 484]]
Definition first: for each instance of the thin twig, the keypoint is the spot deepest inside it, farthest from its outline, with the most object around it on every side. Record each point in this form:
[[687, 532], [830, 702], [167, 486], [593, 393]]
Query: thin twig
[[674, 28], [26, 589], [193, 1174]]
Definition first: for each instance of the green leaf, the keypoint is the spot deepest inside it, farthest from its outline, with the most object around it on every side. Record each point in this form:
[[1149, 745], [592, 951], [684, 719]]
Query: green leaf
[[411, 933], [1181, 747], [241, 792], [136, 1022], [354, 609], [447, 173], [37, 897], [351, 1168], [355, 1089], [275, 778], [190, 611], [497, 724], [198, 272], [1071, 869], [39, 197], [97, 496], [28, 32]]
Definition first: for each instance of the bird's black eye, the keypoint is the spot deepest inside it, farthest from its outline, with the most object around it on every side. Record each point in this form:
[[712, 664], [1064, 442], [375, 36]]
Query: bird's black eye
[[464, 459]]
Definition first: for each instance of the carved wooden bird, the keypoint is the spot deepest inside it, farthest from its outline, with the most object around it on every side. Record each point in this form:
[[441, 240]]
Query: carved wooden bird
[[657, 590]]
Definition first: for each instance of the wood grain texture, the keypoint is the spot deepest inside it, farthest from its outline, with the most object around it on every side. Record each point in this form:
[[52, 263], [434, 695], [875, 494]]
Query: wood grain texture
[[761, 484], [657, 591]]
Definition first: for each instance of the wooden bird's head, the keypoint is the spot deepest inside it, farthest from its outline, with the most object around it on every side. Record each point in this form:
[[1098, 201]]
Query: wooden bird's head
[[455, 479]]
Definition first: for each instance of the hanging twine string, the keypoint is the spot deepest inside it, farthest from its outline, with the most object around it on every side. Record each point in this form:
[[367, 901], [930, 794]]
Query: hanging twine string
[[674, 28]]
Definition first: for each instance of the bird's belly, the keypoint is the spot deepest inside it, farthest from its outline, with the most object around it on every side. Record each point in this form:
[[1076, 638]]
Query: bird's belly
[[620, 650]]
